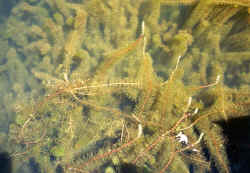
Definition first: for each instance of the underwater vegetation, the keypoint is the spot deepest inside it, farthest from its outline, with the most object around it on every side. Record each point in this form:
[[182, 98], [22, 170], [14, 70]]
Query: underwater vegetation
[[112, 86]]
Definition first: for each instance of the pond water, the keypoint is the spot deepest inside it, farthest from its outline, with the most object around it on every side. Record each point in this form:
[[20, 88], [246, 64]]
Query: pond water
[[87, 85]]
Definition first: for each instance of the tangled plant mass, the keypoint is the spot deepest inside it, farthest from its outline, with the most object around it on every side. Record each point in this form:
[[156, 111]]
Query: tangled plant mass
[[118, 83]]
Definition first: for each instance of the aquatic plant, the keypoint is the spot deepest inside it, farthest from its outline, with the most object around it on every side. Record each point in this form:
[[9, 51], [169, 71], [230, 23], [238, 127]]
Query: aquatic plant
[[130, 82]]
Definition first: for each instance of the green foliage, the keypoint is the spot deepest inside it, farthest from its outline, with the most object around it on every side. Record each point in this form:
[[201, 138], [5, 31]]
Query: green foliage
[[58, 151], [114, 90]]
